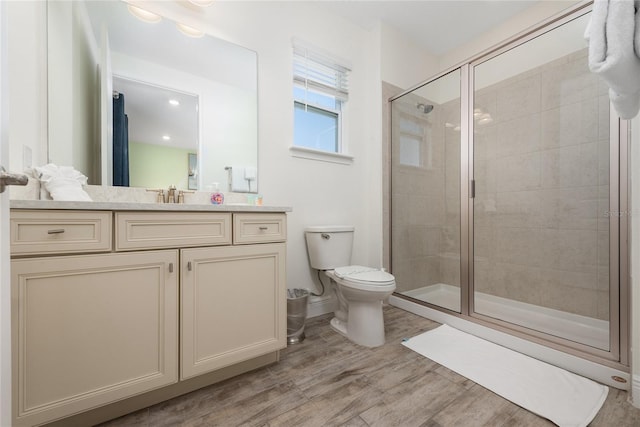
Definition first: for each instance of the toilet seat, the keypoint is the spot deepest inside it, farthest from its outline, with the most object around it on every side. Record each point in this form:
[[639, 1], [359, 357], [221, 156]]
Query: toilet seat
[[365, 278]]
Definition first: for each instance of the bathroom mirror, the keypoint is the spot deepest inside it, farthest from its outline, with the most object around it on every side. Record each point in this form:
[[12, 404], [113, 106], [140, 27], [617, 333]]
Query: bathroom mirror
[[95, 45]]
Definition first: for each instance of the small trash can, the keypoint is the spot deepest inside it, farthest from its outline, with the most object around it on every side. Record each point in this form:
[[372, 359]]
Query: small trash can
[[296, 314]]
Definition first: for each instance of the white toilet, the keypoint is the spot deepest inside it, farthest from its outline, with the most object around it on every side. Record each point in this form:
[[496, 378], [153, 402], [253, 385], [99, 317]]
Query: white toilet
[[360, 290]]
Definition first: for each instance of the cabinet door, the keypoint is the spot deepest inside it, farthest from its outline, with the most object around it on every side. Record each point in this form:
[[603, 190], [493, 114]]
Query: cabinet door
[[233, 305], [92, 329]]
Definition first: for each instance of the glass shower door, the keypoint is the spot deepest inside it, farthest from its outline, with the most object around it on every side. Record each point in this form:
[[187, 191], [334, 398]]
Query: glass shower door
[[541, 165], [425, 188]]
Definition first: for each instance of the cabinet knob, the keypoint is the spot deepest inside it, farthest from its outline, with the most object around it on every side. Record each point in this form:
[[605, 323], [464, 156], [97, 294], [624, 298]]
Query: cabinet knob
[[56, 231], [170, 267], [189, 267], [263, 228]]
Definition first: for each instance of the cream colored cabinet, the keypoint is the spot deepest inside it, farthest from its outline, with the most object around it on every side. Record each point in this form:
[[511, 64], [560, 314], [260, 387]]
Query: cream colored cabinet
[[166, 303], [91, 329], [231, 305]]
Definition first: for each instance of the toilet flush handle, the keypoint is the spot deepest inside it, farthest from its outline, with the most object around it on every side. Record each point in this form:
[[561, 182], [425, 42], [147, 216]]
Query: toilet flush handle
[[325, 236]]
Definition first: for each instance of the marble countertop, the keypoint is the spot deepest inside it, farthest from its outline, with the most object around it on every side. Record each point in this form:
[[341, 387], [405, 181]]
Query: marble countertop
[[136, 206]]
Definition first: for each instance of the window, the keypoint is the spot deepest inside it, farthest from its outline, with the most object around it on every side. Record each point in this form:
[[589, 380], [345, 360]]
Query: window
[[320, 92], [415, 142]]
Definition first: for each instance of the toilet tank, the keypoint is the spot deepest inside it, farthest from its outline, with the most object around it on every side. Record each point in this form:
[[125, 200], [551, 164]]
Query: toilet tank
[[329, 246]]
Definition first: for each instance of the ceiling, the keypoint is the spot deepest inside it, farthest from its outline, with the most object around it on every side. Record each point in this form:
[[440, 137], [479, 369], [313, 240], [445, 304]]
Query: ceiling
[[438, 25], [152, 117]]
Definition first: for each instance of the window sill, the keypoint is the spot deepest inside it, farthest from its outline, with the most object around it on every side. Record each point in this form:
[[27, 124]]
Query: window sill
[[323, 156]]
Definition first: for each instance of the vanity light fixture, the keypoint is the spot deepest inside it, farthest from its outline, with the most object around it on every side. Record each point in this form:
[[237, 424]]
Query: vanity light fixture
[[189, 31], [166, 137], [174, 102], [144, 15], [485, 118], [202, 3]]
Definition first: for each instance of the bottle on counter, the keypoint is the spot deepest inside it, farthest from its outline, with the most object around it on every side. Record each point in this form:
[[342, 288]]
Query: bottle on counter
[[217, 198]]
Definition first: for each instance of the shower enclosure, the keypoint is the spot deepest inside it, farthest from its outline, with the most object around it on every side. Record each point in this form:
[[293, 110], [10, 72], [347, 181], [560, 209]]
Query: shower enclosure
[[508, 195]]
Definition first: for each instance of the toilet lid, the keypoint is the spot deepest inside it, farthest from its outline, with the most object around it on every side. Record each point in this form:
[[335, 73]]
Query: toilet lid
[[364, 275]]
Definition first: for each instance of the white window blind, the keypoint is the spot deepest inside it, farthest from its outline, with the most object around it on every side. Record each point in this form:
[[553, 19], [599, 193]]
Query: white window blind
[[318, 71]]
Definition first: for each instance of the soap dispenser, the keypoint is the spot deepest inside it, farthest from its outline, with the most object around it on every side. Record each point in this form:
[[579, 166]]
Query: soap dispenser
[[217, 198]]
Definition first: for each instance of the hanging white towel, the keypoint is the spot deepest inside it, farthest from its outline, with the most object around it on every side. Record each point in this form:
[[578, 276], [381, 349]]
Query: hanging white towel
[[613, 30], [239, 184], [251, 175]]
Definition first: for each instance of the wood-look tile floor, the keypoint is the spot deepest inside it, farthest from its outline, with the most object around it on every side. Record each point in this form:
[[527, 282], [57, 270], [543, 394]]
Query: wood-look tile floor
[[328, 381]]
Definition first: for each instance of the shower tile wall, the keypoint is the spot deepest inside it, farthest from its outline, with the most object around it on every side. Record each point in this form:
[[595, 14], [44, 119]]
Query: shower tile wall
[[426, 197], [542, 194]]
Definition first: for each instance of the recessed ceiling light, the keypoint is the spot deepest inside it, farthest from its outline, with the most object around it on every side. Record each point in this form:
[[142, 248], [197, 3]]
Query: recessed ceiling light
[[166, 137], [144, 15], [189, 31], [174, 102]]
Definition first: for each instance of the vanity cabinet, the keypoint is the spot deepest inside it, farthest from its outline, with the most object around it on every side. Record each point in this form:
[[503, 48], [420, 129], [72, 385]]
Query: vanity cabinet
[[231, 305], [91, 329], [163, 299]]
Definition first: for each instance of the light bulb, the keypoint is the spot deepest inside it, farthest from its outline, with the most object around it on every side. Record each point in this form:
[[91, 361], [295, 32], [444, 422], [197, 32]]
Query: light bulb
[[202, 3], [189, 31], [144, 15]]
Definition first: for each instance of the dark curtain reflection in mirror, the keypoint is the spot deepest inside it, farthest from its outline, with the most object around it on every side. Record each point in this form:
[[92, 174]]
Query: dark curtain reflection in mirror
[[120, 142], [193, 171]]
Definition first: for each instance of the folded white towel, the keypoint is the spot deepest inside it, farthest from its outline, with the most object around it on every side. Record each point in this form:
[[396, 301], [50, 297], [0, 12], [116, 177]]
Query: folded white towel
[[239, 184], [613, 30], [63, 182]]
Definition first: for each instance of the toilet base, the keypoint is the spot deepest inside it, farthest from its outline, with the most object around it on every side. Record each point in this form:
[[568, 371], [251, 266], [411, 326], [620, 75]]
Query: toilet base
[[339, 326], [366, 323], [369, 333]]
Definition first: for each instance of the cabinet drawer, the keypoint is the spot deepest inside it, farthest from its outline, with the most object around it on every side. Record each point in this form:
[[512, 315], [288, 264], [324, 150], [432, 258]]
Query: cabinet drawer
[[139, 230], [259, 228], [36, 232]]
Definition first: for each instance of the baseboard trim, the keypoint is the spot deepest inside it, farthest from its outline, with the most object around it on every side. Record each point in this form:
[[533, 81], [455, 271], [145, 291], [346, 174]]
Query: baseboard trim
[[320, 305]]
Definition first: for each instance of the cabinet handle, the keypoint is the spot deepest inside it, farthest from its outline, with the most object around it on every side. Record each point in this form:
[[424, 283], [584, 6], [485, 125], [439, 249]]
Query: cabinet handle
[[170, 267], [56, 231], [189, 266], [263, 228]]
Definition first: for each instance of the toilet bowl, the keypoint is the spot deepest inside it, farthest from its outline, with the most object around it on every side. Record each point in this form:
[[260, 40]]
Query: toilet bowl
[[360, 290]]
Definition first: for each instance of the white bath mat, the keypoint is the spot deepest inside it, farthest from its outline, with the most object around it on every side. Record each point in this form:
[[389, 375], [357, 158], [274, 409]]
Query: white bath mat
[[551, 392]]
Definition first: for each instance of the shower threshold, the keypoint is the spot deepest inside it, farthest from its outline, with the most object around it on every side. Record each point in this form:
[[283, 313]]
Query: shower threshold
[[574, 327]]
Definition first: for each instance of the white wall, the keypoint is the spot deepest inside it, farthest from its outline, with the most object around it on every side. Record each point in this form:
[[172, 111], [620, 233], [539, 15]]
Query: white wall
[[403, 62], [27, 76], [72, 79]]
